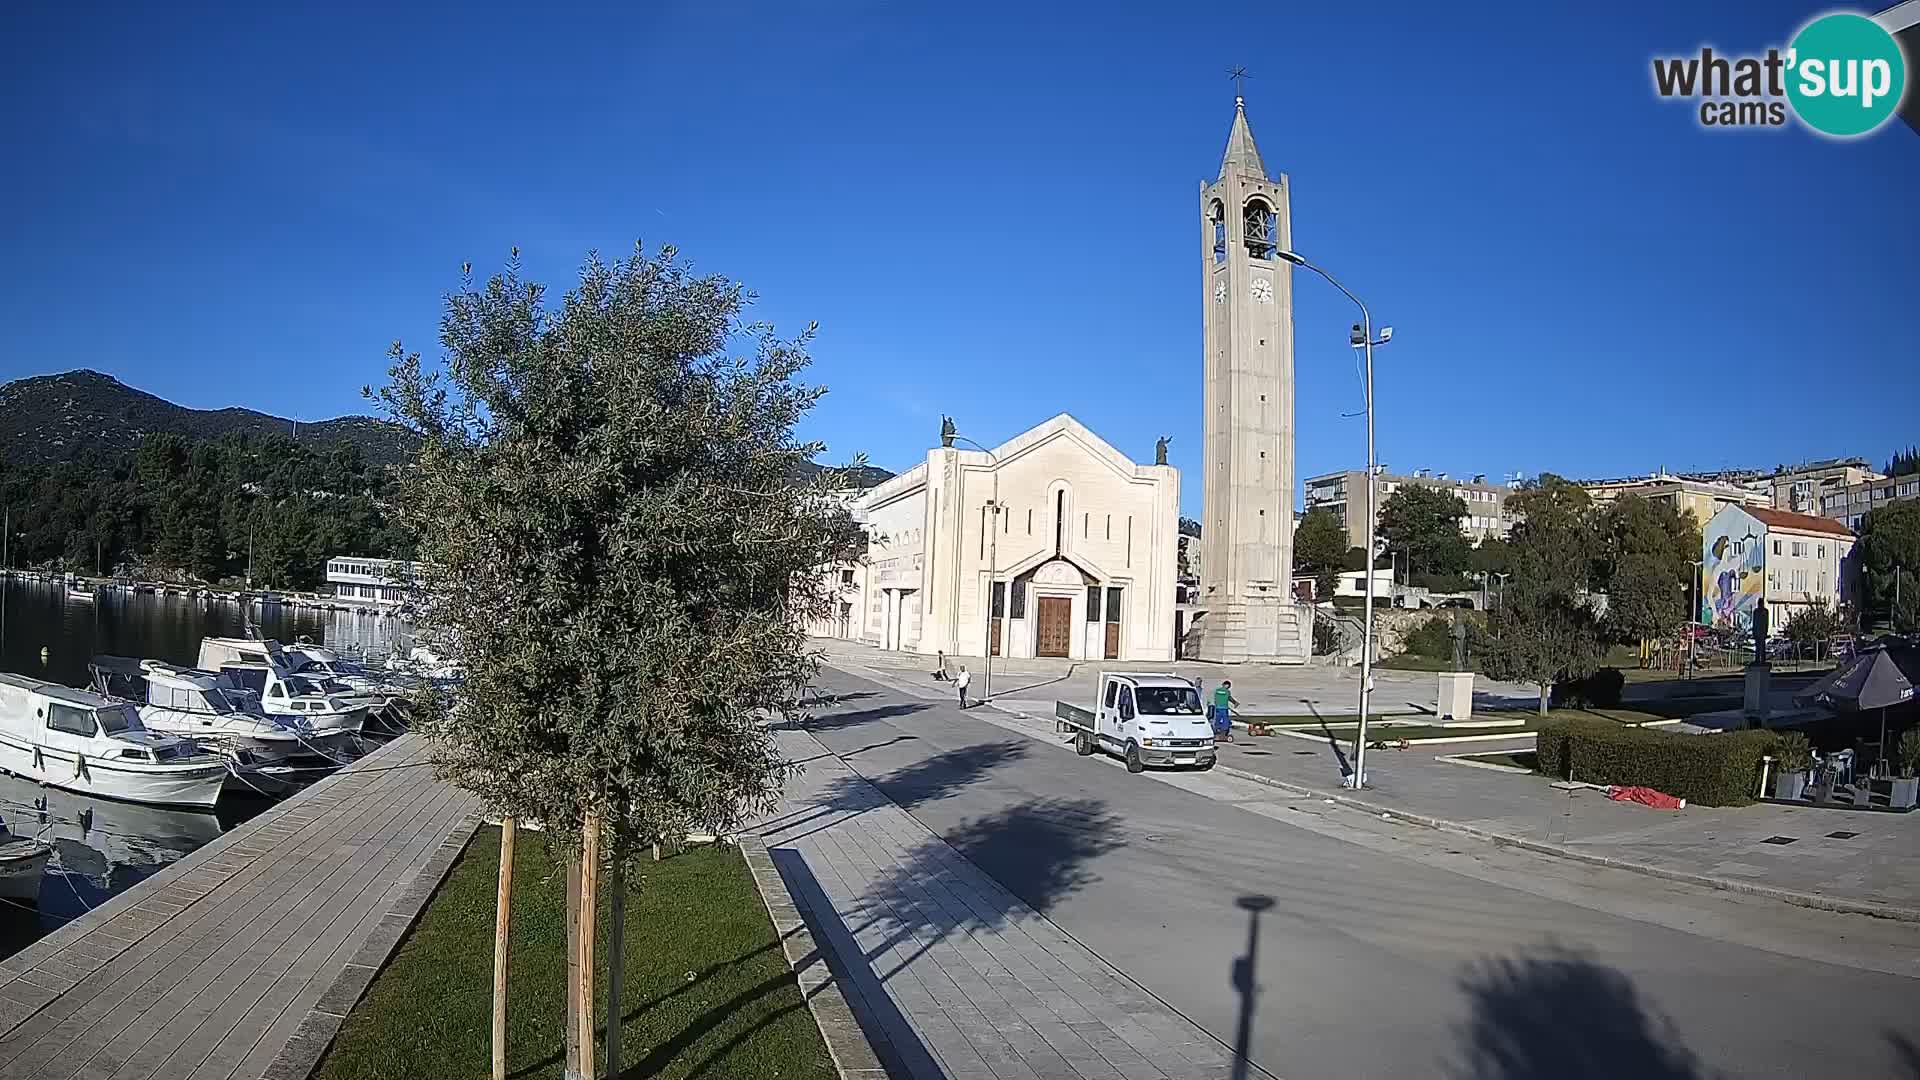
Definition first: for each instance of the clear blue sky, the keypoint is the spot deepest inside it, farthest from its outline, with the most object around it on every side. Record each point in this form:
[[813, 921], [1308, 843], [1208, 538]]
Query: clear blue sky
[[989, 209]]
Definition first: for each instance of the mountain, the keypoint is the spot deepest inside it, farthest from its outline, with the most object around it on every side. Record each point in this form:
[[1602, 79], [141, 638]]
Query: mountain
[[53, 418]]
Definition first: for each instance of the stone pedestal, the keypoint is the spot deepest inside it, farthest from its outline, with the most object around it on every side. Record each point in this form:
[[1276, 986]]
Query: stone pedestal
[[1456, 697], [1754, 705]]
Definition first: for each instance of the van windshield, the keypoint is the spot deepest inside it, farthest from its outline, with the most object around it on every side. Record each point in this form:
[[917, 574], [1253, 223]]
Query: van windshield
[[1168, 700]]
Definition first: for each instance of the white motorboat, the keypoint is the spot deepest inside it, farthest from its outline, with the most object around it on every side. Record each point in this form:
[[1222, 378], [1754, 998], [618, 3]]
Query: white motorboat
[[80, 593], [22, 861], [262, 668], [94, 745], [192, 704]]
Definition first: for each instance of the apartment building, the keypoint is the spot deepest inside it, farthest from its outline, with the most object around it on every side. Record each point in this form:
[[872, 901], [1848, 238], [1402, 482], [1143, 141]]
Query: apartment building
[[1486, 502]]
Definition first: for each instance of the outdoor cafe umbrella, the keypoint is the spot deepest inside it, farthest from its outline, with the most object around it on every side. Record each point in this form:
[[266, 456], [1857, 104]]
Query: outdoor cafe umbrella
[[1877, 679]]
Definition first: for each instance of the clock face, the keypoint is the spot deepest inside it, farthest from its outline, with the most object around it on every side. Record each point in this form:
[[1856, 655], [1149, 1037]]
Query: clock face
[[1220, 291], [1263, 290]]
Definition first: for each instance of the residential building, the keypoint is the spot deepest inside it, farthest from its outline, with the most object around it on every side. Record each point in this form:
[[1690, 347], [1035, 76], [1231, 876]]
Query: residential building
[[1803, 489], [1078, 559], [1335, 492], [1849, 504], [1694, 494], [1753, 556], [376, 581]]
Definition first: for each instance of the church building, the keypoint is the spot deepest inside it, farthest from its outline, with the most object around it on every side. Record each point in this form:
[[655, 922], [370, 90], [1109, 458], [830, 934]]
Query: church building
[[1052, 544]]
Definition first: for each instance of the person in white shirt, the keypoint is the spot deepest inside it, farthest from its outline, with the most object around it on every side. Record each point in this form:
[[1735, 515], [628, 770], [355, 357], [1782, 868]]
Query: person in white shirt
[[961, 681]]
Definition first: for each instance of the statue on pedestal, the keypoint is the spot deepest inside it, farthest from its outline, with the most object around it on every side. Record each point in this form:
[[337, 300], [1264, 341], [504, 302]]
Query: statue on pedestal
[[1160, 450]]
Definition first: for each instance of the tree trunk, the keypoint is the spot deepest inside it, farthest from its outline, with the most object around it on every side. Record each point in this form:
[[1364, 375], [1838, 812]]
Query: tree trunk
[[1543, 699], [502, 914], [616, 962], [589, 894], [572, 1029]]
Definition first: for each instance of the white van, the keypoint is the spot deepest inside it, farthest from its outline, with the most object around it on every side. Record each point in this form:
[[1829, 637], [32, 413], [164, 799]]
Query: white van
[[1149, 720]]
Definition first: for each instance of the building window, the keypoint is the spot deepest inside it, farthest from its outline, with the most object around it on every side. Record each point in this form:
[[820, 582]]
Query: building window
[[1776, 547], [1019, 602], [999, 599], [1029, 521], [1113, 604], [1059, 520], [1109, 526], [1823, 551], [1093, 603]]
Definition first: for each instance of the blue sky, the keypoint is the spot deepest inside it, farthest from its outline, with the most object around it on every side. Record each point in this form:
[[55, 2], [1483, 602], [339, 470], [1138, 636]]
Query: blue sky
[[990, 210]]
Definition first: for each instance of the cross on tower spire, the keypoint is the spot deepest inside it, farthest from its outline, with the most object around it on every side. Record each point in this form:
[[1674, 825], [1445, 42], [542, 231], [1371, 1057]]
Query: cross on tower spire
[[1239, 76]]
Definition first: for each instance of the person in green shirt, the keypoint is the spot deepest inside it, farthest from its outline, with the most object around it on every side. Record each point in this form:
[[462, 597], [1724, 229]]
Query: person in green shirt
[[1223, 701]]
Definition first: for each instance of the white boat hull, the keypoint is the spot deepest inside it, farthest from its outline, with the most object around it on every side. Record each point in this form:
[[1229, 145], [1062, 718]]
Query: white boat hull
[[194, 783], [22, 861]]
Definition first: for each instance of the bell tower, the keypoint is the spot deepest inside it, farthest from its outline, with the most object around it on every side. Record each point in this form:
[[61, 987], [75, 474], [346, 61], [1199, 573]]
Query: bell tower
[[1247, 527]]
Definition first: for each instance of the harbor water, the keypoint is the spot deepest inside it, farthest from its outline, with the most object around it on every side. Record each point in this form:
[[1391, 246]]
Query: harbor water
[[101, 846]]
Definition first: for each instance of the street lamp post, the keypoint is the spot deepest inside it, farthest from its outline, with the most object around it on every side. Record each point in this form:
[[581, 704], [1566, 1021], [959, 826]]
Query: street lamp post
[[993, 555], [1361, 338], [1693, 616]]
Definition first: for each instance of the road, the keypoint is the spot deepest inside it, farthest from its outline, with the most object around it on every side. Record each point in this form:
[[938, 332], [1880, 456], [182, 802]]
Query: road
[[1370, 957]]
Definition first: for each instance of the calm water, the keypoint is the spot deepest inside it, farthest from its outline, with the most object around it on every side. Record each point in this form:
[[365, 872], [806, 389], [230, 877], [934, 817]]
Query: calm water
[[102, 847]]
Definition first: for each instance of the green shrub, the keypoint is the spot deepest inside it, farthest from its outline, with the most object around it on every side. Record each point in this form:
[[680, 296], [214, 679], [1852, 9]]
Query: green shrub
[[1792, 753], [1709, 770], [1909, 752], [1432, 639], [1600, 690]]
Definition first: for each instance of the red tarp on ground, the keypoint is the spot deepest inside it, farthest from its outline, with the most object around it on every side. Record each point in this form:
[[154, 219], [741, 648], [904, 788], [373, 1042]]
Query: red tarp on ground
[[1647, 796]]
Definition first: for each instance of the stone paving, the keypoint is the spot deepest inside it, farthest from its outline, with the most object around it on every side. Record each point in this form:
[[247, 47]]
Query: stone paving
[[240, 960], [1878, 867], [950, 974]]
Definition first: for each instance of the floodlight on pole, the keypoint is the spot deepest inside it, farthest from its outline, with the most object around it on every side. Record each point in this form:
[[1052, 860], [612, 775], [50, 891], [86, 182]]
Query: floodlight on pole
[[1361, 337], [949, 436]]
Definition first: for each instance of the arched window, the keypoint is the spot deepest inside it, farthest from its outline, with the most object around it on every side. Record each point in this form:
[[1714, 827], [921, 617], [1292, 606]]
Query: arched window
[[1262, 228], [1217, 215]]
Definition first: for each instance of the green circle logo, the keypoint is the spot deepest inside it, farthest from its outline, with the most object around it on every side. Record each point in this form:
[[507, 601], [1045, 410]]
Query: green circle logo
[[1846, 74]]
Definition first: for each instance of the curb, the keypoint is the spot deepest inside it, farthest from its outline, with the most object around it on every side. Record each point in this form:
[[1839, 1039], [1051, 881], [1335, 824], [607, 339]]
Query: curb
[[852, 1053], [1798, 899]]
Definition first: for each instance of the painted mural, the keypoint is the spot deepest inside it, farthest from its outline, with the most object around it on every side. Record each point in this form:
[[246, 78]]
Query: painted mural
[[1735, 572]]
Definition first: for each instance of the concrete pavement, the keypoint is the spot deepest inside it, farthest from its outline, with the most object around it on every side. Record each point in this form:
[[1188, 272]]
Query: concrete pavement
[[1316, 942]]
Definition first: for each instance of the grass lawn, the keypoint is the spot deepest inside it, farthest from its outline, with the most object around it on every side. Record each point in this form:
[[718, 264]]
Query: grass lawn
[[707, 991], [1518, 759], [1407, 661], [1412, 727]]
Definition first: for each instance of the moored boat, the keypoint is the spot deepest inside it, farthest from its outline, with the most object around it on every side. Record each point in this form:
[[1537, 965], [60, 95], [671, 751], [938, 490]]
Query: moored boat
[[84, 742]]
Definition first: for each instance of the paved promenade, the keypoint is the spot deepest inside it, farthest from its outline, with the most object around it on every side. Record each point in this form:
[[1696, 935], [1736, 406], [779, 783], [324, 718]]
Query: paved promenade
[[1877, 868], [240, 960], [952, 975]]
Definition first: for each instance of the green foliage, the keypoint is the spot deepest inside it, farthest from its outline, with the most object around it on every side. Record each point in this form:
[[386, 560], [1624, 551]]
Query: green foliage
[[1888, 555], [1424, 523], [1320, 548], [1326, 635], [1492, 555], [1445, 583], [1813, 624], [1792, 753], [1709, 770], [1432, 639], [1646, 553], [1904, 462], [177, 506], [1908, 751], [615, 547], [1544, 630], [1599, 690], [1189, 527]]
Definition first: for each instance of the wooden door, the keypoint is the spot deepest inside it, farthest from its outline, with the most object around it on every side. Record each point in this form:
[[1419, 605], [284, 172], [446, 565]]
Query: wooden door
[[1056, 627], [1113, 641], [993, 636]]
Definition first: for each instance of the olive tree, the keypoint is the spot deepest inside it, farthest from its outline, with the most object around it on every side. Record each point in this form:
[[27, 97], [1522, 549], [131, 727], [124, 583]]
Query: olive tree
[[615, 545]]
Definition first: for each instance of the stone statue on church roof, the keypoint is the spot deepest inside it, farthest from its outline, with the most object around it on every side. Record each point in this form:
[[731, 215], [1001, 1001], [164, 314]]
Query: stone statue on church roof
[[1160, 450]]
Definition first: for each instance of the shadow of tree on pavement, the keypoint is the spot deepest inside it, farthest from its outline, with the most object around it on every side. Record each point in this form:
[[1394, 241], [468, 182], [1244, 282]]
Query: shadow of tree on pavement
[[1907, 1052], [984, 873], [945, 773], [1555, 1013]]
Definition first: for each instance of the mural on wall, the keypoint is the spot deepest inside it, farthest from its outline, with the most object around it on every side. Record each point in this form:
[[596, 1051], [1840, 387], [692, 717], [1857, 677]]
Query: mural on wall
[[1734, 572]]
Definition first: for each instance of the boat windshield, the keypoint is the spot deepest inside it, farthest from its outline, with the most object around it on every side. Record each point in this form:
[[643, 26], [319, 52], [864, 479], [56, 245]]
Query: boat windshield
[[1168, 700], [115, 719]]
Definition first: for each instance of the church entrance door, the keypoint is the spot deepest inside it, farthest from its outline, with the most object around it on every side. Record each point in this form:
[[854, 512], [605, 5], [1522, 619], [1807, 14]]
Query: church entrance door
[[1055, 631]]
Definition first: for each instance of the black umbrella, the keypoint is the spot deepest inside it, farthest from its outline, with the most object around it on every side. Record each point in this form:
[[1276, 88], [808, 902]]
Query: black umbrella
[[1876, 679]]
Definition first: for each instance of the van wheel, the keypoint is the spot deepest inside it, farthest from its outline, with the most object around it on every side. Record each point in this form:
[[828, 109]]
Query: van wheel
[[1134, 764], [1083, 744], [1211, 762]]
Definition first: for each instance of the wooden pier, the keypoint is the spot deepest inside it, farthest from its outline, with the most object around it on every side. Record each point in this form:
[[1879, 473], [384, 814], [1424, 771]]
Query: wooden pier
[[239, 961]]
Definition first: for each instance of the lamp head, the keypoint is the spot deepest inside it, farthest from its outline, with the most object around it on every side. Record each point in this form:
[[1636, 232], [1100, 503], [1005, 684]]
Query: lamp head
[[1358, 336], [1386, 334], [1290, 257]]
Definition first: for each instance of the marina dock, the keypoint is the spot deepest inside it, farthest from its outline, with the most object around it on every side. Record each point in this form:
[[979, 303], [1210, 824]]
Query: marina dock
[[240, 961]]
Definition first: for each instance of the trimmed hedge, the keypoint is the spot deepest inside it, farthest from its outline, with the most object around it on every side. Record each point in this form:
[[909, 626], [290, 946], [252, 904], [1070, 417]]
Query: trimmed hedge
[[1711, 770]]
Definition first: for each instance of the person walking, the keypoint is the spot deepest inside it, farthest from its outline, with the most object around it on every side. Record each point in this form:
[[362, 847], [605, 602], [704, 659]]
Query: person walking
[[1223, 702], [961, 681]]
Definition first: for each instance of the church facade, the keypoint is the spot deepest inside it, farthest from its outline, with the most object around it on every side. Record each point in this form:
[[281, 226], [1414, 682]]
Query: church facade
[[1053, 544]]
